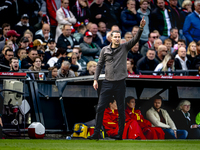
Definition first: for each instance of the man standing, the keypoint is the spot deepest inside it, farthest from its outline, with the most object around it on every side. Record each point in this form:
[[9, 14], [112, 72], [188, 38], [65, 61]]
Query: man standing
[[114, 57], [174, 36], [191, 27]]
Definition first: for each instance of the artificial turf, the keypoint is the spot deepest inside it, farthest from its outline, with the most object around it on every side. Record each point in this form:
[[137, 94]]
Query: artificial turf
[[99, 145]]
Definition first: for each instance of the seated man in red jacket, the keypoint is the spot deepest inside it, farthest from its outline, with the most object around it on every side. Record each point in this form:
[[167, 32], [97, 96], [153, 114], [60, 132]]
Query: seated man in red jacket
[[132, 114], [110, 123]]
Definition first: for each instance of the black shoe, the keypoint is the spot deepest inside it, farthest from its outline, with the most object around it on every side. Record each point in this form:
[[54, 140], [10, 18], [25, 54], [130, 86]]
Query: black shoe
[[117, 137], [94, 136]]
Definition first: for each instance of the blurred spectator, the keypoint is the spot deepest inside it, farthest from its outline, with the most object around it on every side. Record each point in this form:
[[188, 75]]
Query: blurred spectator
[[42, 11], [6, 59], [174, 36], [64, 17], [23, 43], [51, 49], [162, 51], [131, 69], [81, 59], [44, 19], [44, 64], [129, 17], [89, 49], [157, 43], [150, 44], [191, 27], [11, 35], [31, 8], [135, 30], [23, 25], [37, 63], [3, 52], [52, 7], [44, 34], [148, 62], [108, 39], [115, 12], [160, 118], [99, 12], [161, 19], [91, 68], [90, 2], [21, 54], [134, 53], [151, 5], [166, 65], [181, 60], [8, 13], [81, 12], [28, 61], [192, 51], [54, 72], [9, 43], [102, 31], [28, 34], [185, 120], [39, 45], [5, 28], [73, 57], [181, 43], [64, 71], [14, 65], [196, 63], [168, 44], [177, 16], [115, 28], [81, 30], [66, 40], [59, 53], [145, 12], [186, 8], [128, 36]]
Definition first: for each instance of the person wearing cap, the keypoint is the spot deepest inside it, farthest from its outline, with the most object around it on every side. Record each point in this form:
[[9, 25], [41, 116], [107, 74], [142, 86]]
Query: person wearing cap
[[38, 44], [13, 36], [66, 40], [44, 33], [23, 43], [51, 49], [23, 25], [89, 49]]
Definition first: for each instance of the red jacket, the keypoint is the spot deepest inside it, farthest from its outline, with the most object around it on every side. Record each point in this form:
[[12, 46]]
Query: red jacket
[[137, 115]]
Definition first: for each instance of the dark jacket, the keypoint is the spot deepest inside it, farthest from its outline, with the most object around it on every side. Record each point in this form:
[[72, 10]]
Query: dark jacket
[[177, 20], [115, 11], [115, 60], [134, 56], [145, 64], [128, 20], [158, 20], [96, 10], [86, 14], [5, 62], [178, 64], [26, 63], [85, 73], [196, 63], [63, 42]]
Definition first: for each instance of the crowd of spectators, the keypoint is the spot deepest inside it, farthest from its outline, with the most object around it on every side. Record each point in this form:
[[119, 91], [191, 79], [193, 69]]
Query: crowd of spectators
[[66, 37]]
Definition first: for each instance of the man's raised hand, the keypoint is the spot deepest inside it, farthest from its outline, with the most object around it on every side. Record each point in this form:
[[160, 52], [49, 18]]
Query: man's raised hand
[[142, 22]]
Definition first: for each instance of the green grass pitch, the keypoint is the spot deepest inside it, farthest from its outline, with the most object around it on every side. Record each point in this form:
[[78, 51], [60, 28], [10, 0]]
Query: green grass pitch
[[99, 145]]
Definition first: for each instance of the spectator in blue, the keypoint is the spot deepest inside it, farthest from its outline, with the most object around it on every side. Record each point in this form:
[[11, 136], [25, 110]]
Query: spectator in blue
[[191, 27], [129, 17]]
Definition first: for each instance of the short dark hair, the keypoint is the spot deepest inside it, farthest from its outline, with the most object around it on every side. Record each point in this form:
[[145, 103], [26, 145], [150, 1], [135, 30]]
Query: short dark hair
[[181, 40], [20, 49], [81, 27], [128, 99], [115, 32], [5, 25], [15, 58], [198, 43], [51, 68], [175, 28], [60, 51], [151, 49], [36, 58], [157, 97], [32, 49], [8, 50]]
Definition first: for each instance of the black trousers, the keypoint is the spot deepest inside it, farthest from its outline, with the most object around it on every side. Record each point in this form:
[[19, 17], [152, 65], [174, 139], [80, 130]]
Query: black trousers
[[109, 89]]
